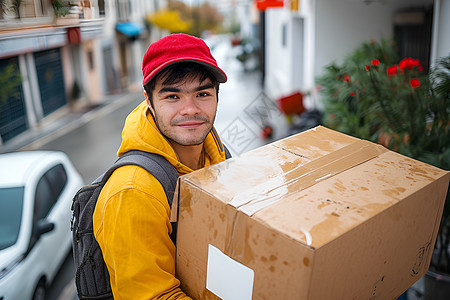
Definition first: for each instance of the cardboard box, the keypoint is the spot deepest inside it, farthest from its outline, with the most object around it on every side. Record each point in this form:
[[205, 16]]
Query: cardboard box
[[319, 215]]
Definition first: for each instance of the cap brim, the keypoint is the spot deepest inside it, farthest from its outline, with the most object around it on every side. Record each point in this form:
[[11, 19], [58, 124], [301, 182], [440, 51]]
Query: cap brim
[[218, 73]]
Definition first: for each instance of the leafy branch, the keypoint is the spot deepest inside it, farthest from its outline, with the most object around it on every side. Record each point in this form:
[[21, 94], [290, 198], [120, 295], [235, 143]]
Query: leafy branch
[[61, 8]]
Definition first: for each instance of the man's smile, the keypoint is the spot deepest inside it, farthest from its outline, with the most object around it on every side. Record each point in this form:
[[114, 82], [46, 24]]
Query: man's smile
[[190, 124]]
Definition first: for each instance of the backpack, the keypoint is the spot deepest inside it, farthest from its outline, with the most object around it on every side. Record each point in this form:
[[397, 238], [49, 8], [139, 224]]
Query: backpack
[[92, 276]]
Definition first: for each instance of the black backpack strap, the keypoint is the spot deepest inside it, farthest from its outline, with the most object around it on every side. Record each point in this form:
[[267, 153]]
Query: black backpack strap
[[219, 142], [153, 163], [227, 152]]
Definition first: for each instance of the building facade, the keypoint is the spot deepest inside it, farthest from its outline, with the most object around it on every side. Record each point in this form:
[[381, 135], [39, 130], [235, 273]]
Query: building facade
[[53, 60]]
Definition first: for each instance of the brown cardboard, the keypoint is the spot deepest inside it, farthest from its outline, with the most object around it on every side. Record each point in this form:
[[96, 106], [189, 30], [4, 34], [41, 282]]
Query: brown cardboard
[[338, 218]]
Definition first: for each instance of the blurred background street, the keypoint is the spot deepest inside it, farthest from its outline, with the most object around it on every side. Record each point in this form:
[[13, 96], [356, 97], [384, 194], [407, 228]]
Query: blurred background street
[[70, 74]]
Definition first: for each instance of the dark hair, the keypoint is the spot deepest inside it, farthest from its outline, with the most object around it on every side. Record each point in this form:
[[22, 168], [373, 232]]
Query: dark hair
[[177, 72]]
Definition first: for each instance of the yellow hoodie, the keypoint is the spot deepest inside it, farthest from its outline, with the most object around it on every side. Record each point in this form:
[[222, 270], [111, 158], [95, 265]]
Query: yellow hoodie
[[131, 218]]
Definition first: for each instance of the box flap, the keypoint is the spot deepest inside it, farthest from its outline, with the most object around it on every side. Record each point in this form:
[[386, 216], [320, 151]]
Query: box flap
[[334, 206]]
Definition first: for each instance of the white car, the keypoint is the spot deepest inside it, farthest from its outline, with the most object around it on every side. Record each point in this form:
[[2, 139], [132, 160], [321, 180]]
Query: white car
[[36, 191]]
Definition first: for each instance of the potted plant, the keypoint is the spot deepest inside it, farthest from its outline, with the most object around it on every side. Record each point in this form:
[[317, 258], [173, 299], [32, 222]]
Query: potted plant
[[376, 96], [14, 6], [60, 8], [10, 80]]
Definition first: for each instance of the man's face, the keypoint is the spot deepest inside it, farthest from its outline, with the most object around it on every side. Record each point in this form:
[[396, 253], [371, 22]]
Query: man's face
[[184, 112]]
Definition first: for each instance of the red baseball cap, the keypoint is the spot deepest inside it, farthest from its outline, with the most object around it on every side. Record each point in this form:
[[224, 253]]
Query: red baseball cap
[[176, 48]]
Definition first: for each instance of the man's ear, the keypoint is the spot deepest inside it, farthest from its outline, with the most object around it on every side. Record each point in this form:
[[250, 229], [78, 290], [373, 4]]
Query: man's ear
[[147, 100]]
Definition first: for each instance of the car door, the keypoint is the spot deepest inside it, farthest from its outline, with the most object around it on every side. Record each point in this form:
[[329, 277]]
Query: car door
[[48, 210]]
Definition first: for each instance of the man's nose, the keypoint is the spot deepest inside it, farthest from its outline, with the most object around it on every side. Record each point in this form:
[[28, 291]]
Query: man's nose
[[190, 106]]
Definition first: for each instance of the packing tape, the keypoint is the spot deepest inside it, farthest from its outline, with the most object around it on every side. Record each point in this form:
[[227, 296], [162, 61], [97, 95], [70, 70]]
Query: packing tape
[[304, 176], [236, 234]]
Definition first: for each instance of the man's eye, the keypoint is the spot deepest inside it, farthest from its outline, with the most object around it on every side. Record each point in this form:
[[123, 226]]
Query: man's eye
[[172, 97], [203, 94]]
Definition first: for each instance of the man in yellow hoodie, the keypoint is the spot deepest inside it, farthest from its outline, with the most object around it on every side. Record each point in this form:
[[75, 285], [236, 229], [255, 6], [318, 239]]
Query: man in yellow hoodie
[[131, 218]]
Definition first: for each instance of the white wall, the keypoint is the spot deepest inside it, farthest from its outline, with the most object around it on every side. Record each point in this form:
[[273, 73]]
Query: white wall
[[341, 26], [288, 67], [278, 56], [441, 32]]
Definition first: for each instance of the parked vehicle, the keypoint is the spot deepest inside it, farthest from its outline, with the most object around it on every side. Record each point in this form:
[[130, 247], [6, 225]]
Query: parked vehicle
[[36, 190]]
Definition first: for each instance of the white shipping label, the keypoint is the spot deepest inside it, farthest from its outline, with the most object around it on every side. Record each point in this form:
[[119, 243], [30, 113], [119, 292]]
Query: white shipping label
[[227, 278]]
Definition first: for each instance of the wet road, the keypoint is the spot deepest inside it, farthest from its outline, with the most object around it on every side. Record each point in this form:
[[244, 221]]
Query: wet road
[[92, 146]]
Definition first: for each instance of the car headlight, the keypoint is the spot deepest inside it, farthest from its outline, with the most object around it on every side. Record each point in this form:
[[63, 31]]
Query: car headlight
[[6, 270]]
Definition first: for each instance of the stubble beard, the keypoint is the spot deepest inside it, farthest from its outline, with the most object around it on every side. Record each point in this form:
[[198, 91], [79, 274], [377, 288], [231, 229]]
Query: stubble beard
[[184, 140]]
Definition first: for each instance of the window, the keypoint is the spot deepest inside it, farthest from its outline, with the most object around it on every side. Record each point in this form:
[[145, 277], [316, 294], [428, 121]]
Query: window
[[284, 35], [48, 190], [101, 7], [11, 206], [123, 10], [91, 60], [43, 199], [57, 178]]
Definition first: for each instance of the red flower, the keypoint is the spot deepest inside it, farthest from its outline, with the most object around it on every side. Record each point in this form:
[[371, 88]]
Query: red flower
[[267, 132], [346, 78], [414, 82], [375, 62], [367, 68], [392, 70], [409, 63], [352, 94]]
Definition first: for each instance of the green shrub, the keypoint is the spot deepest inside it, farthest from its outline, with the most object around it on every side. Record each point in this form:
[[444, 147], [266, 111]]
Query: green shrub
[[374, 95]]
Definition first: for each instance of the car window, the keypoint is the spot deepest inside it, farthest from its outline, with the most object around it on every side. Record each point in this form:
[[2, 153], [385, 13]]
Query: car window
[[48, 190], [11, 206], [57, 178], [43, 199]]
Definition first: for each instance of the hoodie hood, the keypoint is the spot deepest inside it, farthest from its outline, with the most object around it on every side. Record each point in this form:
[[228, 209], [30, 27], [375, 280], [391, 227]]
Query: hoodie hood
[[141, 133]]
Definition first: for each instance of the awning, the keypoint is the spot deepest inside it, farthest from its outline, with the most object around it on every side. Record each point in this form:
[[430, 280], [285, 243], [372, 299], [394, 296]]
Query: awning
[[262, 5], [130, 29]]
